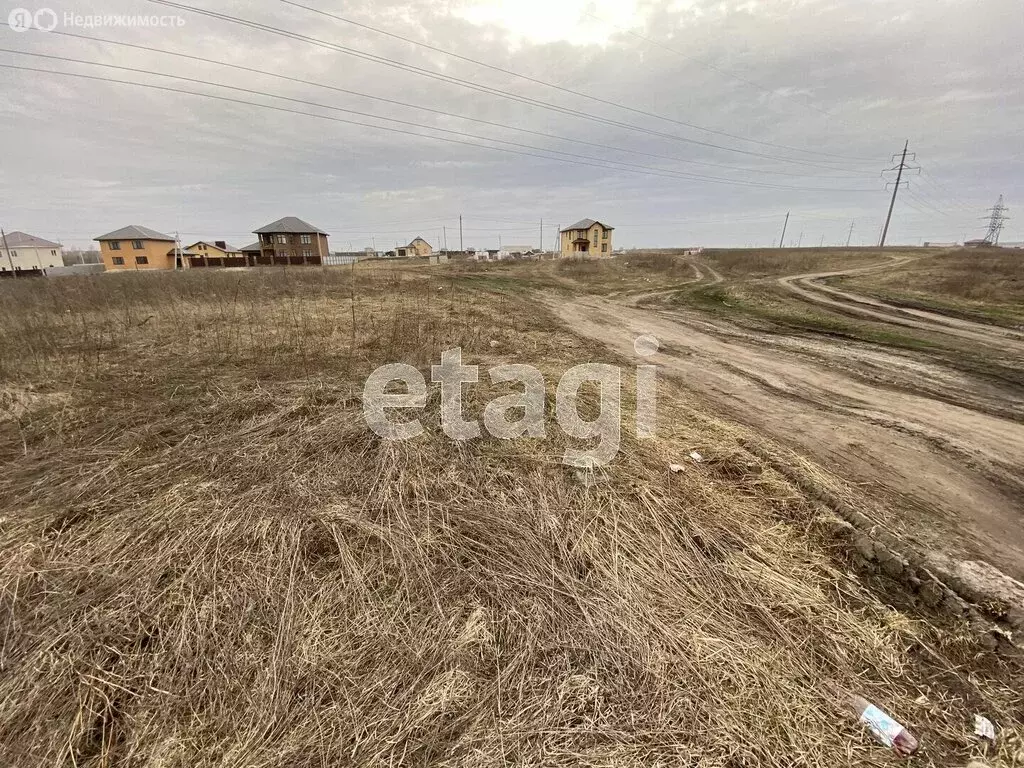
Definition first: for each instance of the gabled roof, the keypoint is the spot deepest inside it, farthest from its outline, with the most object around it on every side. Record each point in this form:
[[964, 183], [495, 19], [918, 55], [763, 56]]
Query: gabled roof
[[135, 232], [22, 240], [248, 248], [228, 248], [413, 242], [289, 225], [586, 224]]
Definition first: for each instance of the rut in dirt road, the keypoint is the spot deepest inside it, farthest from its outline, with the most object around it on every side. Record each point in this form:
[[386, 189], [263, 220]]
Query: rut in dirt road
[[808, 287], [950, 467]]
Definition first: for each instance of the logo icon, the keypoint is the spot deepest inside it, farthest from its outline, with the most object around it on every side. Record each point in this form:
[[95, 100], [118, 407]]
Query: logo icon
[[46, 19], [20, 19]]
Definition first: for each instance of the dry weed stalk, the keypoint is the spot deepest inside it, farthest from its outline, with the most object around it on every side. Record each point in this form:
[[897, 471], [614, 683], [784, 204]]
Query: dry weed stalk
[[207, 559]]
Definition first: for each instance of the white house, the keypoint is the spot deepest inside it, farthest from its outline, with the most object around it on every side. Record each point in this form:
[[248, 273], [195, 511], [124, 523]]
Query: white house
[[515, 251], [28, 253]]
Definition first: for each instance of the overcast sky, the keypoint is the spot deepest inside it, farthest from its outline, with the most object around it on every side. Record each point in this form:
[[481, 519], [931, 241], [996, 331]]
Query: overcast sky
[[788, 105]]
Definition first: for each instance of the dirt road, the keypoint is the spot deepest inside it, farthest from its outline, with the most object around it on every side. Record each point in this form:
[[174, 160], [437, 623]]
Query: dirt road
[[809, 288], [946, 457]]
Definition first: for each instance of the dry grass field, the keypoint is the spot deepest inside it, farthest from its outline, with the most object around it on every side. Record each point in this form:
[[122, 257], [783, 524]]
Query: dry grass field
[[768, 262], [207, 558], [982, 284]]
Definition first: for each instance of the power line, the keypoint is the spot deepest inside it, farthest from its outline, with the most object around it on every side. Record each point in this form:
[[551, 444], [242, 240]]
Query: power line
[[943, 193], [408, 105], [930, 202], [913, 207], [413, 224], [588, 160], [952, 195], [563, 89], [916, 196], [481, 88], [939, 201]]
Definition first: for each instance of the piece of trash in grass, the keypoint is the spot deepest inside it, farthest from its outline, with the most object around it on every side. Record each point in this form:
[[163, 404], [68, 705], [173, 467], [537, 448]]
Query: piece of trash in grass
[[586, 478], [922, 700], [1004, 633], [586, 472], [675, 469], [696, 456], [884, 728], [494, 343], [984, 728]]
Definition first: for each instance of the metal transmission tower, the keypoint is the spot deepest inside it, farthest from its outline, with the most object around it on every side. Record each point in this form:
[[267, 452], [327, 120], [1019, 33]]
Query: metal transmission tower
[[995, 222], [900, 168]]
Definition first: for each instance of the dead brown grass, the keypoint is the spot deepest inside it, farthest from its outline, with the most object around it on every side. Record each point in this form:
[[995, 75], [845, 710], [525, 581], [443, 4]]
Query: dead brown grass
[[207, 559], [639, 271], [985, 284], [771, 262]]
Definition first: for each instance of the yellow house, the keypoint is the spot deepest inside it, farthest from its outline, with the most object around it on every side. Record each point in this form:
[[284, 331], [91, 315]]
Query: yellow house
[[586, 238], [418, 247], [136, 247], [215, 254]]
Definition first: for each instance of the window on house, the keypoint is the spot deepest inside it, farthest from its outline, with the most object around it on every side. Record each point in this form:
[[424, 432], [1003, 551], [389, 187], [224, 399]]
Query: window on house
[[142, 260], [118, 261], [604, 247], [282, 239], [137, 245], [53, 253], [307, 239], [604, 235], [115, 245], [307, 254], [14, 254]]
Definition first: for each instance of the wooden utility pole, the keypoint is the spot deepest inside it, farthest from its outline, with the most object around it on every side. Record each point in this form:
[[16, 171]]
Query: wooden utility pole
[[849, 236], [462, 243], [542, 235], [782, 240], [10, 259]]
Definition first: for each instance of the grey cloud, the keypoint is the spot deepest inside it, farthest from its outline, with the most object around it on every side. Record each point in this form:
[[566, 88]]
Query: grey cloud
[[852, 78]]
